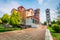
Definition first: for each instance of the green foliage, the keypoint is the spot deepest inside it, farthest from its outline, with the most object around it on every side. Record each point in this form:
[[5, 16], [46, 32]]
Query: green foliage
[[0, 21], [45, 23], [56, 27], [3, 29], [9, 29], [51, 30], [57, 35], [15, 19], [50, 25], [5, 18], [58, 21], [53, 22]]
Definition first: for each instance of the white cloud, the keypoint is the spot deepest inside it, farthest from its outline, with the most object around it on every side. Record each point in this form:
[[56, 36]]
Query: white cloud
[[40, 1], [42, 16], [53, 15], [7, 7], [47, 4]]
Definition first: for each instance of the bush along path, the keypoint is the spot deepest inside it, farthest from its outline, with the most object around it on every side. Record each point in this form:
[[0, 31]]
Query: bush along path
[[4, 29], [55, 31]]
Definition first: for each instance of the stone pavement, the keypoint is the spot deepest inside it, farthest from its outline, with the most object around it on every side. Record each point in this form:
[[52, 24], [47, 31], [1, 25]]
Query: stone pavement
[[26, 34]]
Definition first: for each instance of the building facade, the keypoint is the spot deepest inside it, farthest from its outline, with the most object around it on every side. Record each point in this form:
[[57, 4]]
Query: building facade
[[28, 16], [22, 12], [33, 17], [37, 16], [29, 12], [30, 21]]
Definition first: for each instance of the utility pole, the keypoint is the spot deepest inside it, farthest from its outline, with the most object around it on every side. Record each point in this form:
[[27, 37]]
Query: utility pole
[[48, 20]]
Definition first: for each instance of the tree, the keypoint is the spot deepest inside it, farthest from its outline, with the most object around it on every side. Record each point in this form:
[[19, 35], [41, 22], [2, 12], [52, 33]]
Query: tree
[[45, 23], [0, 21], [56, 27], [15, 18], [5, 18], [58, 21], [53, 22]]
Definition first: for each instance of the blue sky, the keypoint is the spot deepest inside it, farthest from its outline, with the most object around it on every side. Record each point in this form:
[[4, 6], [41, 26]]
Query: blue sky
[[7, 5]]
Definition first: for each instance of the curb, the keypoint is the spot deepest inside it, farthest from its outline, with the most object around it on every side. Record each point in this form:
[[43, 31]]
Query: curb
[[48, 35]]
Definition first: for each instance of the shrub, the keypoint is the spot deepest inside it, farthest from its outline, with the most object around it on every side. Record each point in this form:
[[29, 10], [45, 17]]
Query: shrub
[[0, 21], [50, 25], [53, 22], [2, 30], [9, 29], [44, 23], [58, 21], [51, 30], [56, 27]]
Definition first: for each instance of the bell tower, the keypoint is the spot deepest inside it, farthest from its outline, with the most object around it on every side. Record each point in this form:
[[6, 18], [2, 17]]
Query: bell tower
[[48, 20]]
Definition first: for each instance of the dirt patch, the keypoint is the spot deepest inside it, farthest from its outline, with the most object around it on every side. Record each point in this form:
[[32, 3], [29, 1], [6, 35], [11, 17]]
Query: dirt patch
[[54, 38]]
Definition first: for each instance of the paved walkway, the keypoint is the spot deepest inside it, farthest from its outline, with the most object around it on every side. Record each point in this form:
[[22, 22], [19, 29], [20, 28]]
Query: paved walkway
[[26, 34]]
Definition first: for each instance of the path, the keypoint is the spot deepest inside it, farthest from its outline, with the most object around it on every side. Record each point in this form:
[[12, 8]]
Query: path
[[26, 34]]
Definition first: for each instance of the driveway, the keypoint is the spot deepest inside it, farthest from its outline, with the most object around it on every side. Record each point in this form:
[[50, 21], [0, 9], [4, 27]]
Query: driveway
[[26, 34]]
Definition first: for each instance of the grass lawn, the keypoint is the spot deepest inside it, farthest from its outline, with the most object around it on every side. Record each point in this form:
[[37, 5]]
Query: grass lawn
[[56, 36], [3, 29]]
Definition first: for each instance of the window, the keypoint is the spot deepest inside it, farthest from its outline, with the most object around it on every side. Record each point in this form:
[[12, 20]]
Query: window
[[33, 20]]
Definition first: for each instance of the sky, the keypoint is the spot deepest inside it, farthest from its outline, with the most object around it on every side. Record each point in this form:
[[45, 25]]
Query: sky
[[7, 5]]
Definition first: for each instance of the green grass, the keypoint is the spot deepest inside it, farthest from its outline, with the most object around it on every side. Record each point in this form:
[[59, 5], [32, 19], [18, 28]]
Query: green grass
[[1, 26], [57, 35], [54, 34], [3, 29]]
